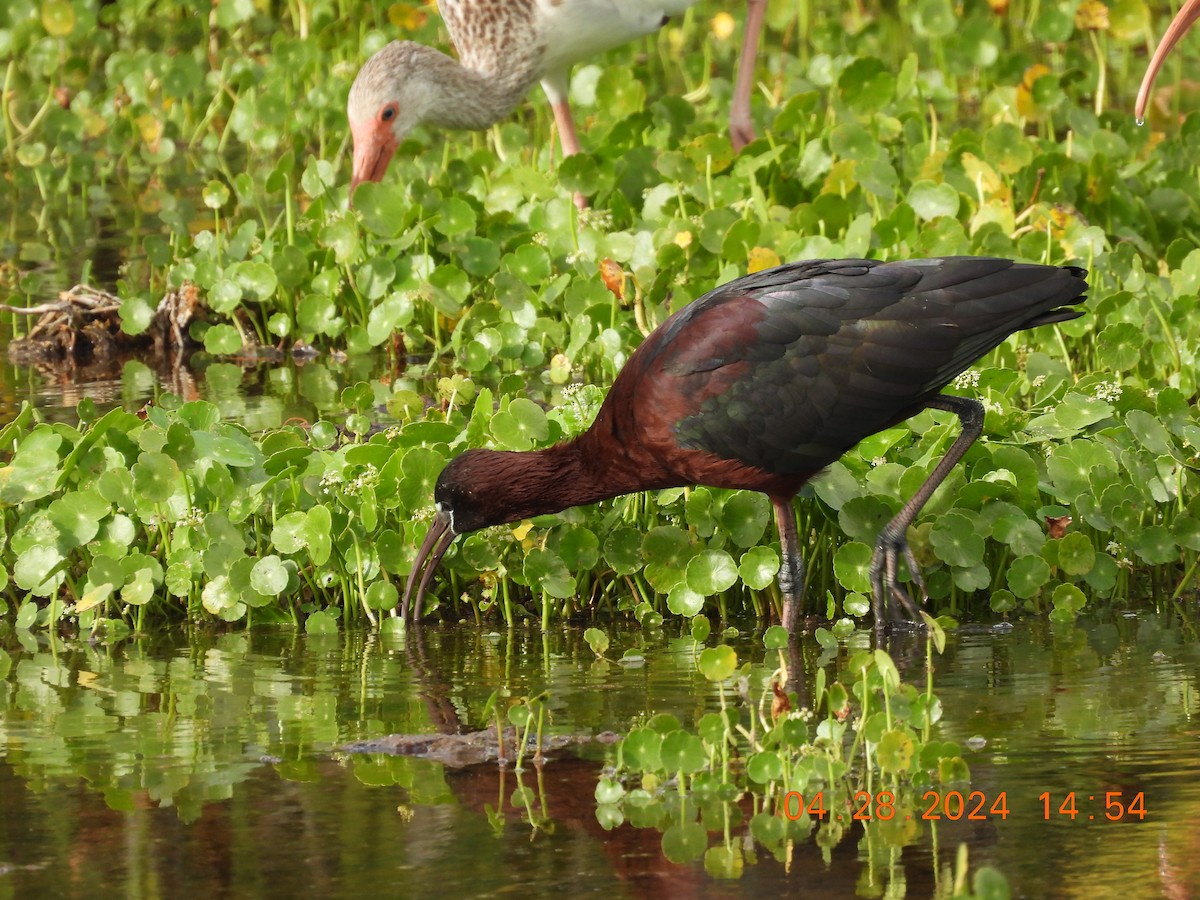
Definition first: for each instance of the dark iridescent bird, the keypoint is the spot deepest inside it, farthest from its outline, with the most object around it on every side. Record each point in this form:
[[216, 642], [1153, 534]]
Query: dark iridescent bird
[[761, 384], [504, 48], [1184, 19]]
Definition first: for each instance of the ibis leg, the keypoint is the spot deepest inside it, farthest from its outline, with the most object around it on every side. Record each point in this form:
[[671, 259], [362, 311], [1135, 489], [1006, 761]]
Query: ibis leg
[[886, 590], [568, 136], [791, 566], [741, 128]]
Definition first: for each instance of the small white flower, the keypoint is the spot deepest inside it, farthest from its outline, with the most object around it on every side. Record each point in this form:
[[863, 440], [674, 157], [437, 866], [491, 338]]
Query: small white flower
[[1114, 548], [966, 380], [599, 219], [1039, 381], [1108, 391]]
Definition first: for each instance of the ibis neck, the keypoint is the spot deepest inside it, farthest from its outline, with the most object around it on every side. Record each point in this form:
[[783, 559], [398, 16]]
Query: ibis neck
[[547, 481], [473, 99]]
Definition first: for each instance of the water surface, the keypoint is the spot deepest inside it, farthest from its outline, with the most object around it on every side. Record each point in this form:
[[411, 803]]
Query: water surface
[[211, 766]]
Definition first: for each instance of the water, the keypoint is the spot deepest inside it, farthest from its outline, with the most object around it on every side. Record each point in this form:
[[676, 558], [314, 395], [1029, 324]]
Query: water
[[212, 767], [75, 246]]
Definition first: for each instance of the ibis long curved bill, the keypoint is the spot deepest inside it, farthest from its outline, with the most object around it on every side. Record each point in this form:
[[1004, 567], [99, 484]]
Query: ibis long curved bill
[[437, 541], [1179, 26]]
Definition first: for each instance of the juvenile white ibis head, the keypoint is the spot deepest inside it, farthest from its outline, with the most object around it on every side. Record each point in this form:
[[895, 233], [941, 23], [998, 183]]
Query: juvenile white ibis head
[[504, 48], [1179, 26], [388, 98]]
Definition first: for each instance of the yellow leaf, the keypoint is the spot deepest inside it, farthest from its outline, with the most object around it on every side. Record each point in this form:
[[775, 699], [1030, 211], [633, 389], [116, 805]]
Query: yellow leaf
[[722, 26], [150, 127], [1092, 15], [934, 165], [91, 680], [521, 531], [94, 597], [406, 16], [1128, 20], [994, 211], [761, 258], [986, 181], [840, 180], [684, 239], [1025, 104]]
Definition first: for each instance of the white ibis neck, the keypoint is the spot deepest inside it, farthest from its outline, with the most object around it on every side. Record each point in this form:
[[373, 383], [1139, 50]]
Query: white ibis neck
[[474, 99]]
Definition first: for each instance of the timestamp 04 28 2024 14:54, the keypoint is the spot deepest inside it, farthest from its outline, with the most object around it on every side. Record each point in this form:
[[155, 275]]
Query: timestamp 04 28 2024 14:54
[[976, 806]]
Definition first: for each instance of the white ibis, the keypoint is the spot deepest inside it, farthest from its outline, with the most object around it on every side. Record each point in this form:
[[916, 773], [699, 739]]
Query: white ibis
[[1179, 26], [505, 46]]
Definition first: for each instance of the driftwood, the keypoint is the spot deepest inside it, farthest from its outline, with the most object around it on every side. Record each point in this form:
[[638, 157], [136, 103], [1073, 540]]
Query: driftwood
[[84, 327]]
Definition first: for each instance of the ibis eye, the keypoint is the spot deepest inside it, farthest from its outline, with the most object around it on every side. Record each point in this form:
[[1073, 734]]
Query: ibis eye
[[389, 113]]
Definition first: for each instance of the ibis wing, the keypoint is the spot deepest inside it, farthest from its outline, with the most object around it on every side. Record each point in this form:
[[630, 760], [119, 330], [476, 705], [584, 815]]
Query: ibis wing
[[789, 369]]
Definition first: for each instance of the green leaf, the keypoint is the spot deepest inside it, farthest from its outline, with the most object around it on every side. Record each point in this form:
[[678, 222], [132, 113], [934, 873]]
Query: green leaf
[[1076, 555], [455, 217], [518, 427], [1155, 544], [597, 640], [38, 570], [641, 750], [78, 514], [894, 752], [383, 207], [684, 601], [622, 550], [683, 752], [717, 663], [758, 567], [222, 340], [775, 637], [1026, 576], [745, 515], [930, 200], [684, 842], [545, 571], [269, 576], [321, 623], [955, 540], [711, 572], [529, 263], [851, 565]]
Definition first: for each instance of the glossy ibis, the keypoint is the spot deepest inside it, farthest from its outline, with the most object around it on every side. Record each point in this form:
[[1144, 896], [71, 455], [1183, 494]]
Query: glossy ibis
[[1184, 19], [505, 46], [762, 383]]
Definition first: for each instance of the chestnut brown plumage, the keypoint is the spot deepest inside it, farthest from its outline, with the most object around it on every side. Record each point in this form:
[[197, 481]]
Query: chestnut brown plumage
[[761, 384], [1184, 19], [505, 47]]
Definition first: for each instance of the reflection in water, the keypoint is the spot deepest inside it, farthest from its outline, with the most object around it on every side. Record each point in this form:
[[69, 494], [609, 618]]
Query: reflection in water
[[259, 397], [212, 767]]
